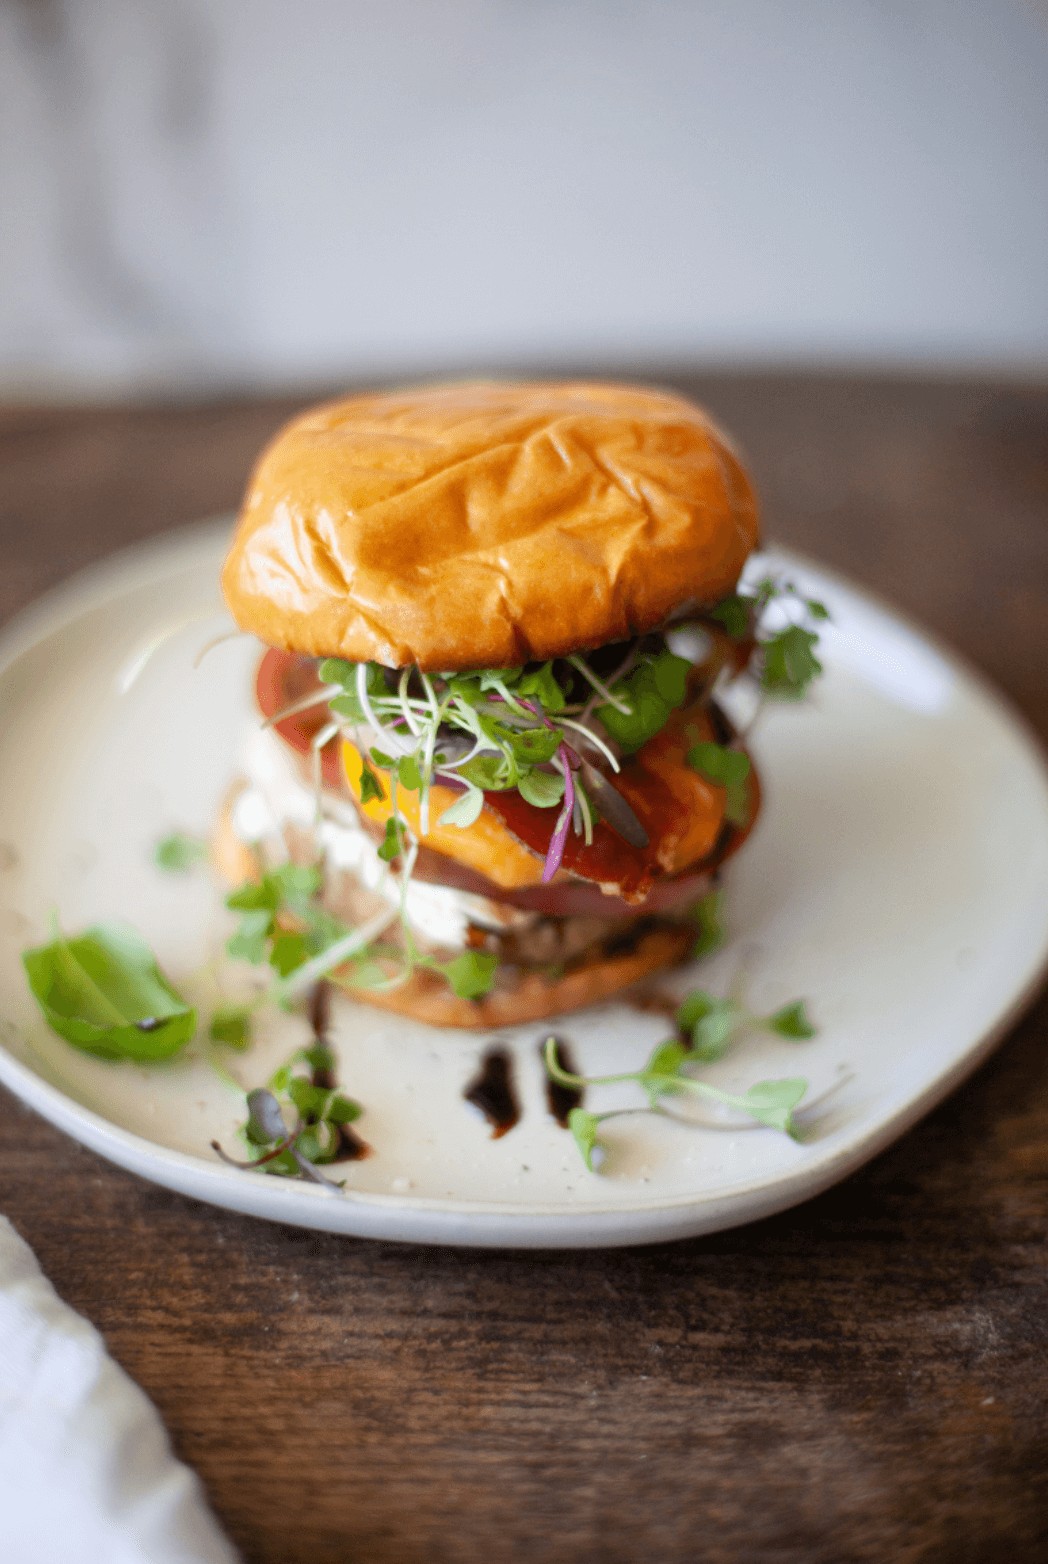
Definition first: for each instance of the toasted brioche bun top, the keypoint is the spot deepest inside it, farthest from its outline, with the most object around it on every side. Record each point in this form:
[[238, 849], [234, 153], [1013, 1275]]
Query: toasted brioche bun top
[[485, 524]]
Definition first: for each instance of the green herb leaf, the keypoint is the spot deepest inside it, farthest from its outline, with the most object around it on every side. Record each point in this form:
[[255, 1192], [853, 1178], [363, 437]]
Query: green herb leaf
[[791, 1021], [465, 810], [651, 692], [231, 1026], [178, 853], [472, 974], [544, 789], [534, 746], [708, 915], [389, 847], [491, 773], [370, 787], [584, 1127], [789, 662], [288, 951], [249, 941], [729, 769], [335, 670], [735, 614], [408, 773], [540, 685], [104, 993], [772, 1102], [710, 1023]]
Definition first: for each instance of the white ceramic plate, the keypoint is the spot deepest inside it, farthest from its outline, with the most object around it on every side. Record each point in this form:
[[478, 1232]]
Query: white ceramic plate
[[898, 880]]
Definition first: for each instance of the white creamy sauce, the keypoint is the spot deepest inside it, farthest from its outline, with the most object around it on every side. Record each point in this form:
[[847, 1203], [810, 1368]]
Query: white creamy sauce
[[276, 796]]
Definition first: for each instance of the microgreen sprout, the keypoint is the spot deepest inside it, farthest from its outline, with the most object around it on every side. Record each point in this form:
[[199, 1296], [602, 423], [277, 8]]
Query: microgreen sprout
[[705, 1028], [318, 1116]]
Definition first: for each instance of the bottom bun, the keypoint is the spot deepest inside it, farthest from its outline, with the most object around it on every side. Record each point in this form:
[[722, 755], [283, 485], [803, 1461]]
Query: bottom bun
[[527, 996], [520, 995]]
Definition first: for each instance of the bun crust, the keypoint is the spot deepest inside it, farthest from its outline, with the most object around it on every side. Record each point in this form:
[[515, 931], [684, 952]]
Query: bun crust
[[521, 996], [532, 998], [487, 524]]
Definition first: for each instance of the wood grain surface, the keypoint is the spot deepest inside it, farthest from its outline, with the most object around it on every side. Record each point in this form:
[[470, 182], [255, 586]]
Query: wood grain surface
[[863, 1378]]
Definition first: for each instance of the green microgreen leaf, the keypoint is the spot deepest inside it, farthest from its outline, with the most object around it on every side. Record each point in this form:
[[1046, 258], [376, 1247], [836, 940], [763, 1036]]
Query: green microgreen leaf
[[465, 810], [789, 662], [651, 693], [709, 1024], [288, 951], [735, 614], [490, 773], [178, 853], [541, 686], [231, 1026], [335, 670], [408, 773], [370, 787], [770, 1102], [584, 1127], [389, 847], [791, 1021], [104, 992], [709, 917], [248, 943], [544, 789], [472, 974], [729, 769]]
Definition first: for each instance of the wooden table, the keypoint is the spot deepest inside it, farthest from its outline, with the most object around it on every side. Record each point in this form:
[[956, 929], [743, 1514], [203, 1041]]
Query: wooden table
[[863, 1378]]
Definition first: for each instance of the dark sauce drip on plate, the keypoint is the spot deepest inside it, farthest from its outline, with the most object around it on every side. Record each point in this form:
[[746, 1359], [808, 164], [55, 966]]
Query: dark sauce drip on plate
[[561, 1099], [492, 1091], [350, 1147]]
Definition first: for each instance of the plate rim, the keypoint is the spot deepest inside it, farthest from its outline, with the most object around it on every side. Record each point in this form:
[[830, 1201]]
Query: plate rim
[[404, 1218]]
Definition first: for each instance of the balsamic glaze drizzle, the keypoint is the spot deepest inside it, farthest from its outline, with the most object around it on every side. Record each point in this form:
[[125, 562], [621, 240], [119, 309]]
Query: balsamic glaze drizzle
[[492, 1091], [561, 1099], [350, 1146]]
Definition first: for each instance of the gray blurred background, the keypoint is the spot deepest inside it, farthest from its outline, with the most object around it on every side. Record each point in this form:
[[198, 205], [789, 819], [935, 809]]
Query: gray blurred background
[[207, 193]]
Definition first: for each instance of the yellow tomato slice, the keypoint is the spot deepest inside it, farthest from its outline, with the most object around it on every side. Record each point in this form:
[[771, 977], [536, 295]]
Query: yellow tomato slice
[[486, 846]]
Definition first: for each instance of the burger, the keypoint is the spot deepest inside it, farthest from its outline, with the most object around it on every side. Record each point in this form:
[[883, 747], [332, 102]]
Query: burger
[[497, 620]]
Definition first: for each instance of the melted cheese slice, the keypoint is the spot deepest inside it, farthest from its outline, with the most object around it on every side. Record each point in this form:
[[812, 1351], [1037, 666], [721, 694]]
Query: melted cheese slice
[[486, 846]]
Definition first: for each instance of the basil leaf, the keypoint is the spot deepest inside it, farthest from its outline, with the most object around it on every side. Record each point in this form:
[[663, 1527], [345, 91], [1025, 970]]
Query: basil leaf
[[104, 993]]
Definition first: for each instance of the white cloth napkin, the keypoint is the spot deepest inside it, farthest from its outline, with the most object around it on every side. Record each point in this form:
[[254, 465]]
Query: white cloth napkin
[[86, 1470]]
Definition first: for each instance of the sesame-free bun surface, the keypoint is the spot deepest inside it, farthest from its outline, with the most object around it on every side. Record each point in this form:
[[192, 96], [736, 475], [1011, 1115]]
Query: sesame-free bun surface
[[486, 524]]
